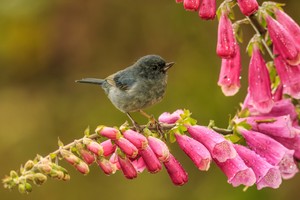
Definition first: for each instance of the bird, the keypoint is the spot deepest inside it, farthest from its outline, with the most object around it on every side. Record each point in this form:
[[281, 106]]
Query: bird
[[136, 87]]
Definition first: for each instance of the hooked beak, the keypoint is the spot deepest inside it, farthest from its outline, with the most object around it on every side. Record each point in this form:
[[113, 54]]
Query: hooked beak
[[168, 66]]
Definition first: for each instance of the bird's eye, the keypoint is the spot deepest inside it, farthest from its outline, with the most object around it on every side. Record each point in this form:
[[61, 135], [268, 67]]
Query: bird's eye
[[154, 67]]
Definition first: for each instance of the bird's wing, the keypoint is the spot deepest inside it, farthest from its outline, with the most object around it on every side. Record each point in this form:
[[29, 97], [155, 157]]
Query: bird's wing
[[121, 81]]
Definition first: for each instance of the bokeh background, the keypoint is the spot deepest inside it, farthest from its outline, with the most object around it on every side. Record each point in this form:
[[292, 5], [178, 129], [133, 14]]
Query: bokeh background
[[46, 45]]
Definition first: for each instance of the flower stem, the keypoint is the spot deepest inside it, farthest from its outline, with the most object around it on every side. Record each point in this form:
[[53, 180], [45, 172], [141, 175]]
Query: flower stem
[[261, 32]]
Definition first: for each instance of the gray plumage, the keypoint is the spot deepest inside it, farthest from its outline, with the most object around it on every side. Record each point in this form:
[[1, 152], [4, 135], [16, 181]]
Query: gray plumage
[[136, 87]]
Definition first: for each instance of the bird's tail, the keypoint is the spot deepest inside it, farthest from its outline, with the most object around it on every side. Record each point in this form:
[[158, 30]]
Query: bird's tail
[[91, 81]]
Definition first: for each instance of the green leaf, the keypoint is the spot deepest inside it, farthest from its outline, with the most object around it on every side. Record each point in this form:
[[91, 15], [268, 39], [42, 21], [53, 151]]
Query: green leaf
[[270, 120], [59, 142], [234, 138], [87, 131], [244, 124], [172, 137], [52, 155]]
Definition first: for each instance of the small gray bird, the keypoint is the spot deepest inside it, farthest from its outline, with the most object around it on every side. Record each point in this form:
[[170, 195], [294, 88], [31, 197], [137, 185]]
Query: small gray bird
[[136, 87]]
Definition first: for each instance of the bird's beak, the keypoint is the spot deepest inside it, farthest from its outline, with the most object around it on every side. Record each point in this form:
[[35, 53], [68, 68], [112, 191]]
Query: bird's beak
[[168, 66]]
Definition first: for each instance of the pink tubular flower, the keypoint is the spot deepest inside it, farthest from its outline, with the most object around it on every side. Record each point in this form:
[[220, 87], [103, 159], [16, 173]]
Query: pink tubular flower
[[93, 146], [274, 152], [229, 78], [237, 172], [226, 43], [266, 174], [191, 5], [176, 172], [219, 148], [259, 82], [109, 132], [248, 7], [136, 139], [114, 161], [273, 126], [283, 107], [283, 42], [289, 24], [127, 147], [160, 148], [127, 167], [151, 161], [169, 118], [69, 157], [207, 9], [107, 167], [289, 77], [291, 143], [195, 150], [139, 164], [108, 147]]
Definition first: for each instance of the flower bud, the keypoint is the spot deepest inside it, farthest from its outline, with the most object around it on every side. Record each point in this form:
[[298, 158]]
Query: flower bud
[[28, 165], [127, 147], [39, 178], [85, 155], [82, 167], [93, 146], [160, 148], [176, 172], [109, 132], [127, 167], [44, 168], [136, 139], [108, 147], [248, 7], [107, 167], [195, 150], [152, 163], [169, 118], [69, 157], [24, 188]]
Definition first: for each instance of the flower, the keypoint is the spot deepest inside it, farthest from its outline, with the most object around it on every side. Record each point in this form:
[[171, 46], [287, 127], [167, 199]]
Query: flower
[[169, 118], [88, 157], [289, 77], [151, 161], [195, 150], [107, 167], [127, 167], [259, 82], [291, 143], [69, 157], [136, 139], [127, 147], [219, 148], [266, 174], [283, 42], [280, 126], [109, 132], [191, 5], [289, 24], [160, 148], [176, 172], [226, 43], [93, 146], [274, 152], [82, 167], [248, 7], [139, 164], [229, 78], [237, 172], [207, 9], [108, 147]]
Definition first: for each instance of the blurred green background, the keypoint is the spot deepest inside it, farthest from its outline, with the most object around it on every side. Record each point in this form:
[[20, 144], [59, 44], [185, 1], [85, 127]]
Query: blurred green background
[[46, 45]]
